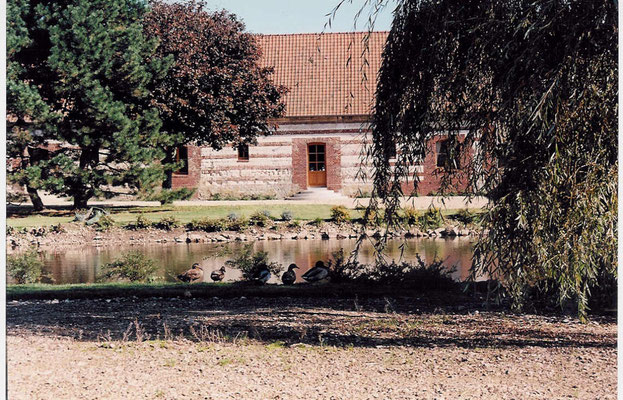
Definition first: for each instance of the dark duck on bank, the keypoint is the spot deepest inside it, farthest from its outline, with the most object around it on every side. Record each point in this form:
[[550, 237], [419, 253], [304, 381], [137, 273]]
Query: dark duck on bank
[[261, 276], [289, 276], [316, 274], [218, 274], [194, 274]]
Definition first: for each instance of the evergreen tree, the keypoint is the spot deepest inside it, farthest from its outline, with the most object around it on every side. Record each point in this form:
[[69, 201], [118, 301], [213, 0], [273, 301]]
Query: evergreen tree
[[79, 76]]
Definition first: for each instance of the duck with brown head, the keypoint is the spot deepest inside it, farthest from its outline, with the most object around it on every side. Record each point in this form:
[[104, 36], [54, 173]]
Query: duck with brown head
[[289, 276], [218, 274], [194, 274]]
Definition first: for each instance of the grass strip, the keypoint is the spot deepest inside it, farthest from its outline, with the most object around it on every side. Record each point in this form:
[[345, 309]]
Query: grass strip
[[208, 290]]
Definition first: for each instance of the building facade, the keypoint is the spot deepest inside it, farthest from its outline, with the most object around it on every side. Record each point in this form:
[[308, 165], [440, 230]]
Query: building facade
[[320, 140]]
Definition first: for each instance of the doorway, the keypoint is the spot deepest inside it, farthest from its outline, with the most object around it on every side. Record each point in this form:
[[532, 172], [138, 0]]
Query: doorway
[[316, 165]]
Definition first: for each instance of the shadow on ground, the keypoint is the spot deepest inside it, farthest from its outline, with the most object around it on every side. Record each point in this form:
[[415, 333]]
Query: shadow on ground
[[340, 322]]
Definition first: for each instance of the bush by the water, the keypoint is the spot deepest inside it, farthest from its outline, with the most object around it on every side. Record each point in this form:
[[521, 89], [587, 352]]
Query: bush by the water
[[133, 266], [419, 275], [260, 218], [431, 218], [26, 268], [207, 224], [411, 216], [249, 262], [105, 223], [466, 217], [141, 223], [371, 217], [238, 225], [316, 221], [58, 228], [340, 214], [167, 223], [168, 196], [286, 215]]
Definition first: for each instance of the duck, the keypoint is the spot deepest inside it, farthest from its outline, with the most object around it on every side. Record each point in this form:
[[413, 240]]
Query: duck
[[218, 274], [194, 274], [289, 276], [262, 275], [318, 273]]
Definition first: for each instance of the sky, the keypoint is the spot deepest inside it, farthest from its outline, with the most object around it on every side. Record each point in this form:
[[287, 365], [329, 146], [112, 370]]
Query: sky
[[299, 16]]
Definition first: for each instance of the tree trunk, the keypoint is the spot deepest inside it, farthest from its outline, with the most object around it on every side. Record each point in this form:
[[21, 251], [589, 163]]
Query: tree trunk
[[37, 203], [28, 158], [168, 159], [80, 201], [80, 192]]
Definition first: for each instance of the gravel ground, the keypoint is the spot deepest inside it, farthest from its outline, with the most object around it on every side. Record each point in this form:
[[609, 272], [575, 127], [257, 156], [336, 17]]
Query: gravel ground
[[301, 349]]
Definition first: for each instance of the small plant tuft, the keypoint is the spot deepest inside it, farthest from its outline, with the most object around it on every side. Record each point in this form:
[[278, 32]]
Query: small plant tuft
[[208, 225], [167, 223], [286, 215], [431, 219], [105, 223], [260, 218], [411, 216], [340, 214], [141, 223], [316, 222], [58, 228]]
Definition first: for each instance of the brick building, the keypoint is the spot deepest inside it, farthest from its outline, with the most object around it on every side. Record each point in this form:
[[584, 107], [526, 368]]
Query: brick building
[[320, 139]]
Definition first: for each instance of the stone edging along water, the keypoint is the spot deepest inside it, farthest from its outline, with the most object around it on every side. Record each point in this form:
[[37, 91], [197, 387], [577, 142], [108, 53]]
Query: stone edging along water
[[76, 234]]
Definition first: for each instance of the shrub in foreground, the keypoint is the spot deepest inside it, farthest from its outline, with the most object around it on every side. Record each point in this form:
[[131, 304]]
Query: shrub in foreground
[[26, 268]]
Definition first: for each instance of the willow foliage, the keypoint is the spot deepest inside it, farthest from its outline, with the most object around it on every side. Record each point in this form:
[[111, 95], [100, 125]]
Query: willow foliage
[[527, 91]]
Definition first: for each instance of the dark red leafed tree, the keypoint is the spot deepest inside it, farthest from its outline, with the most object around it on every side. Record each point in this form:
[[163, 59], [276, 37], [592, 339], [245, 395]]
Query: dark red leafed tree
[[215, 93]]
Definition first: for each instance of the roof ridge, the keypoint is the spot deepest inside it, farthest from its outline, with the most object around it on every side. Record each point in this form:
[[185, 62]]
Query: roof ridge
[[315, 33]]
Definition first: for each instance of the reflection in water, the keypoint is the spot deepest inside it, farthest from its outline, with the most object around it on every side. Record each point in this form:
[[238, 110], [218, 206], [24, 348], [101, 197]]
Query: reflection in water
[[84, 264]]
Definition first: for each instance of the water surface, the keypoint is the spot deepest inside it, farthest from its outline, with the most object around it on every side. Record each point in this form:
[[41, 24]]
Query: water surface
[[83, 265]]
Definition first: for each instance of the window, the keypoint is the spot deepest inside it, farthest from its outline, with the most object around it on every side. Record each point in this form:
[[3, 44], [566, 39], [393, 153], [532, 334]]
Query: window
[[448, 154], [181, 155], [243, 152]]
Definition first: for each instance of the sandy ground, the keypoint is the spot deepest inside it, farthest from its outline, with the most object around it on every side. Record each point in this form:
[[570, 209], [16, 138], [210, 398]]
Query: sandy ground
[[301, 349]]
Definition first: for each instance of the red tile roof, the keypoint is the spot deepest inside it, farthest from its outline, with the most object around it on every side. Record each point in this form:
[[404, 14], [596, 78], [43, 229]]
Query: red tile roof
[[324, 72]]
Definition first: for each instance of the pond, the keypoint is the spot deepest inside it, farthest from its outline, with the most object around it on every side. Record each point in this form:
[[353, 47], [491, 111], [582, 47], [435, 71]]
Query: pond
[[83, 265]]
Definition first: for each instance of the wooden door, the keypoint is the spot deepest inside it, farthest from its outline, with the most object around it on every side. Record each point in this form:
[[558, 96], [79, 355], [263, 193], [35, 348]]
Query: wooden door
[[316, 165]]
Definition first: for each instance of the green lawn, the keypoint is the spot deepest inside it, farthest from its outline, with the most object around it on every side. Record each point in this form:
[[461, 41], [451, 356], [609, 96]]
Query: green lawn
[[186, 214]]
